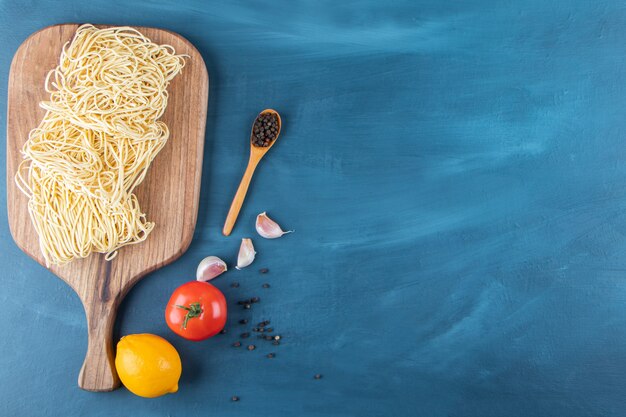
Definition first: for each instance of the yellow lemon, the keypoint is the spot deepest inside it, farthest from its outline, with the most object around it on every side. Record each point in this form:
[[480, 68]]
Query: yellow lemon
[[148, 365]]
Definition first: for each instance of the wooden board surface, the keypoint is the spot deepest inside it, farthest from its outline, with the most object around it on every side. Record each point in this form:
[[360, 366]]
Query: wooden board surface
[[169, 194]]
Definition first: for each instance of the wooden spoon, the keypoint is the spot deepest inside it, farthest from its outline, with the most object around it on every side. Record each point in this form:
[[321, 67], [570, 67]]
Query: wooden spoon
[[256, 154]]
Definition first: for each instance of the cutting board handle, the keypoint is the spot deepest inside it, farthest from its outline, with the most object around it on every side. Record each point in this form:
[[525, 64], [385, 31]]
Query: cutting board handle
[[98, 373]]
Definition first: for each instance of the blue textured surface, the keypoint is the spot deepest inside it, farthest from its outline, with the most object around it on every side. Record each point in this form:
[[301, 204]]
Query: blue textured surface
[[455, 175]]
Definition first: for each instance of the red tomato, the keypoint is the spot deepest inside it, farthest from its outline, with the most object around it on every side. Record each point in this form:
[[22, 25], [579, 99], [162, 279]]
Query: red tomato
[[196, 311]]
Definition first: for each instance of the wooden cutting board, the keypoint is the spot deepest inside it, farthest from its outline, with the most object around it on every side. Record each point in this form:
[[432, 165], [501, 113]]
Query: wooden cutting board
[[169, 194]]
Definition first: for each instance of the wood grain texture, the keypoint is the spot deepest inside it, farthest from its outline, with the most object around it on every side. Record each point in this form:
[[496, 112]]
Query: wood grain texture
[[169, 195]]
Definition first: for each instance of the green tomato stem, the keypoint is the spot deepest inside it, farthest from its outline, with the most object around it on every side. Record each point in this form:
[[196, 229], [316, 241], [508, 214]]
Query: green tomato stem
[[194, 310]]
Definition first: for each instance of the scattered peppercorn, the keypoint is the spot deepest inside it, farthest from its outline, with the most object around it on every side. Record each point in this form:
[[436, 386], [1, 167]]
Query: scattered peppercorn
[[317, 376], [223, 331], [265, 129], [261, 327], [235, 285], [264, 270], [234, 398]]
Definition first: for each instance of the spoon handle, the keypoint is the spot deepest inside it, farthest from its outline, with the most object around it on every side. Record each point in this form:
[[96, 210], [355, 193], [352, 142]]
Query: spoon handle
[[231, 218]]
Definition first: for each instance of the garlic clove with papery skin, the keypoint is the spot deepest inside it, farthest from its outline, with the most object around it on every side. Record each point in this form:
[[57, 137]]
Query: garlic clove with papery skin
[[246, 253], [209, 268], [268, 228]]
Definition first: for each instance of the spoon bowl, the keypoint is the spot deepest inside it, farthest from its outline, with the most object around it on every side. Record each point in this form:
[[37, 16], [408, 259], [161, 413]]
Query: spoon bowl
[[264, 149]]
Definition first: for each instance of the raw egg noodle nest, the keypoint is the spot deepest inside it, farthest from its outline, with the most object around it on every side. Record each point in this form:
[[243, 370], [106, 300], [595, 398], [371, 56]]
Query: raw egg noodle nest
[[96, 142]]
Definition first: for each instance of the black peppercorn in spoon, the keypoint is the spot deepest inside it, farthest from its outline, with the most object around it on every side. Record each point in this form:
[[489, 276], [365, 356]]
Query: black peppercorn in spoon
[[265, 131]]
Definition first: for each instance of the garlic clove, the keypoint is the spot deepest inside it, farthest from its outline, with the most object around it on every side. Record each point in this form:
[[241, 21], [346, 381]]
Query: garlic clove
[[268, 228], [246, 253], [209, 268]]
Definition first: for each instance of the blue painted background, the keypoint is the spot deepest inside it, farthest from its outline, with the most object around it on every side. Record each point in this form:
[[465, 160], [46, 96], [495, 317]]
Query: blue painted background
[[456, 176]]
